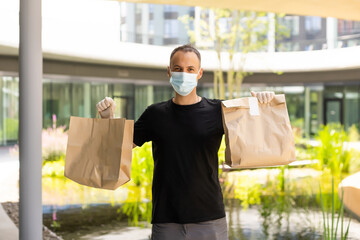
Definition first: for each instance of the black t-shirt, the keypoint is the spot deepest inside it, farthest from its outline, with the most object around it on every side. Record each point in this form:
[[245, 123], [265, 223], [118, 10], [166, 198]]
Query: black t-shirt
[[185, 143]]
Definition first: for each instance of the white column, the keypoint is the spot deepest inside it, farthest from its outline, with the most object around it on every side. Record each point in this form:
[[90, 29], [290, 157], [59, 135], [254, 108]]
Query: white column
[[30, 115], [212, 23], [271, 32], [145, 23], [331, 32], [130, 22], [197, 19], [158, 24]]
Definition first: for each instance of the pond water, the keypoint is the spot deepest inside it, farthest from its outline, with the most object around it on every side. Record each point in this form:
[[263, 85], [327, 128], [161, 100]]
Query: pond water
[[102, 221], [79, 212]]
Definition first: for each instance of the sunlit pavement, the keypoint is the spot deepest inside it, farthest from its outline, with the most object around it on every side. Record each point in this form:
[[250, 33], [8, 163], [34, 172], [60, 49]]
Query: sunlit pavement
[[130, 233], [9, 176], [9, 191], [8, 230]]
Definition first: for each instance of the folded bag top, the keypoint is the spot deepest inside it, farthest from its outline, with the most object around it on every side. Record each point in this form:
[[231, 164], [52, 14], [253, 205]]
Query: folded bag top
[[256, 134], [244, 102]]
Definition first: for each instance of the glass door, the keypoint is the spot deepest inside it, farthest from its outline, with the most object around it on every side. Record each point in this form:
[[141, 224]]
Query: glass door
[[333, 111], [122, 107]]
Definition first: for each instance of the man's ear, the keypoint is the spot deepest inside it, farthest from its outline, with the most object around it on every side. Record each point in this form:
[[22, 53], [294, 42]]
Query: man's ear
[[200, 73], [168, 71]]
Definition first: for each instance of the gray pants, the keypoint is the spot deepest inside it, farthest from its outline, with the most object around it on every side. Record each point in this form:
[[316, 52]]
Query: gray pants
[[208, 230]]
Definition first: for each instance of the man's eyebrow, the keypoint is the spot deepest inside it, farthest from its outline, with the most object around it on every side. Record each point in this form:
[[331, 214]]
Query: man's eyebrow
[[181, 67]]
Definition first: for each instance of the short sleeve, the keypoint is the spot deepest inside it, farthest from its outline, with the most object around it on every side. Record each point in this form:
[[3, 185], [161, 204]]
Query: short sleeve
[[142, 128], [221, 125]]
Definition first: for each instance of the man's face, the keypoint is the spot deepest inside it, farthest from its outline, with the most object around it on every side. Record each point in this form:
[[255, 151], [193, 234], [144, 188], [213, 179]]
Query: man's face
[[185, 62]]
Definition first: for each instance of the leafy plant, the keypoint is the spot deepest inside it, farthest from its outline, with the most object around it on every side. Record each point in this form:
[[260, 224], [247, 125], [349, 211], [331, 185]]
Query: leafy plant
[[331, 152], [248, 190], [330, 227], [138, 205], [12, 128], [54, 168], [55, 224], [54, 142], [232, 32], [221, 157], [142, 165], [276, 200], [354, 133]]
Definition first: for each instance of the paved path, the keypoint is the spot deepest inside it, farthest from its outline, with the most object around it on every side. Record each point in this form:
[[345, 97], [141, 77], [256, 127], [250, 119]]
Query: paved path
[[9, 176], [9, 191], [8, 230]]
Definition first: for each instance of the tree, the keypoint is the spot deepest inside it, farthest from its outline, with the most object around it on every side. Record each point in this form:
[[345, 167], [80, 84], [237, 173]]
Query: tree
[[231, 32]]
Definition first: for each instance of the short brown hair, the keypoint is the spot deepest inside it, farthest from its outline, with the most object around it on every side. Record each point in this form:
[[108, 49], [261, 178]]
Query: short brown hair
[[186, 48]]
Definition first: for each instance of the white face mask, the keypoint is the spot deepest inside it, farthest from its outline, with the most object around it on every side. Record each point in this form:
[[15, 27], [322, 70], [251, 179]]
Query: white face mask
[[183, 82]]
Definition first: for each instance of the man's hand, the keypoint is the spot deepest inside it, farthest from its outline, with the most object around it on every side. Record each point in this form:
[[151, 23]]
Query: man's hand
[[104, 107], [263, 97]]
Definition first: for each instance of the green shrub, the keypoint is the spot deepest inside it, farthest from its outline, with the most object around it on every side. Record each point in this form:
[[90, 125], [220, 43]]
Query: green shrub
[[331, 152], [333, 214], [12, 128], [54, 142], [54, 168], [138, 205], [353, 133]]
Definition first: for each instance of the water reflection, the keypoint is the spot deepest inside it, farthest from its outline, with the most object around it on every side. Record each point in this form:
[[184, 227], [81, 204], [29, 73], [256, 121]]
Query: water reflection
[[99, 221], [79, 212], [61, 191]]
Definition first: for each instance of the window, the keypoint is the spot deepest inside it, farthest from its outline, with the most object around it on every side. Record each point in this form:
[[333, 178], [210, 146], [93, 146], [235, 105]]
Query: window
[[291, 23], [9, 114], [312, 25], [170, 8], [151, 8], [151, 29], [348, 27], [171, 28], [224, 25]]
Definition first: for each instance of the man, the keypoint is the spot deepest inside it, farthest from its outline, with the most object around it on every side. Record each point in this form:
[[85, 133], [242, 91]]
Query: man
[[186, 133]]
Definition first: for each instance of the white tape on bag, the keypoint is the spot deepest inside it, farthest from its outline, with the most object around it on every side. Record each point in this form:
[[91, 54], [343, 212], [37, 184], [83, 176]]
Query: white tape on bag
[[254, 106]]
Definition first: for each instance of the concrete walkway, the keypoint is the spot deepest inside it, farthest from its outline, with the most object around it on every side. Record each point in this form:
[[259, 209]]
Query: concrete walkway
[[8, 230], [9, 176], [9, 191]]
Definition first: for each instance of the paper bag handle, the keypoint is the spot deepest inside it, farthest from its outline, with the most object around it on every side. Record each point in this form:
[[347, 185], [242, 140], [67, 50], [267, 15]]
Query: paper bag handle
[[111, 113]]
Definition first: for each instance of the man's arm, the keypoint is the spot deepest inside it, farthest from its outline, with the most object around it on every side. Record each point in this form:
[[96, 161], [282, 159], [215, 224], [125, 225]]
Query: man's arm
[[142, 129]]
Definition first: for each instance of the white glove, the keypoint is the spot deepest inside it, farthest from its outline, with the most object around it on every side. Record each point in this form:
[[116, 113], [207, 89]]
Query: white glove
[[104, 107], [263, 97]]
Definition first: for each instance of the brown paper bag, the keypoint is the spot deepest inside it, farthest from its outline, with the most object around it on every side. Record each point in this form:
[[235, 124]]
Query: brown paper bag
[[257, 134], [99, 151]]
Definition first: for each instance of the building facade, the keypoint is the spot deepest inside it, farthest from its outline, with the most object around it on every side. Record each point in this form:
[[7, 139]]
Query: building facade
[[72, 86]]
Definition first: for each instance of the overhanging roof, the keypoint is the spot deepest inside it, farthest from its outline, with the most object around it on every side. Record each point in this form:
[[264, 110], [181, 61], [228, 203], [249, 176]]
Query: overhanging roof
[[88, 47], [132, 55], [342, 9]]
